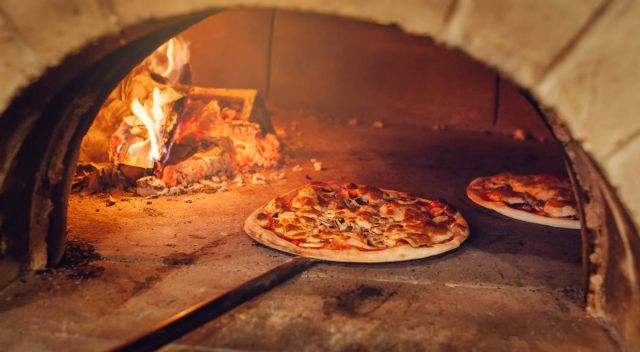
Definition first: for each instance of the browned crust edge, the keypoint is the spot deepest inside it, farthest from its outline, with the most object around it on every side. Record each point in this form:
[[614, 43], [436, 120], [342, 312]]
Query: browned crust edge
[[519, 214], [396, 254]]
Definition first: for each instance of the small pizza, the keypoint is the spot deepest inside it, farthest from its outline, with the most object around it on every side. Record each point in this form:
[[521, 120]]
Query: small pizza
[[541, 199], [357, 223]]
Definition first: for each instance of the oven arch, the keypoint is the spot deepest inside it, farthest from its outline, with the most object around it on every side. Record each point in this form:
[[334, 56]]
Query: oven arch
[[610, 206]]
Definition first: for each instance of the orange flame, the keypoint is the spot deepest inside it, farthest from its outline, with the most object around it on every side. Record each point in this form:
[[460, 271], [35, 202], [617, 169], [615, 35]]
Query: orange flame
[[169, 59], [144, 105], [149, 102], [154, 123]]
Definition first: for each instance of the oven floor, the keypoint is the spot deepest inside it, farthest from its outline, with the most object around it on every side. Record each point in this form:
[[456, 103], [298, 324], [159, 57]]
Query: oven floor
[[511, 286]]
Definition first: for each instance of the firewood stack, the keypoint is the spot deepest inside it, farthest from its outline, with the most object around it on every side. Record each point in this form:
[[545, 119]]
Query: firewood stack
[[162, 132]]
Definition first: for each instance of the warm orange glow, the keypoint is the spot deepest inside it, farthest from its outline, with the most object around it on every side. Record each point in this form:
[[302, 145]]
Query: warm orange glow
[[153, 113], [169, 59], [149, 101], [154, 123]]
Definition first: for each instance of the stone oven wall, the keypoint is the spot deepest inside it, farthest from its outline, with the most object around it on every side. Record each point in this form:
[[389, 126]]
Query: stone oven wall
[[578, 58], [335, 66]]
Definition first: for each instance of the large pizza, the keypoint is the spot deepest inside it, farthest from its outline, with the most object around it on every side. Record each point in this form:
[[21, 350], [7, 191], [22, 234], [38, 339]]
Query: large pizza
[[540, 198], [357, 223]]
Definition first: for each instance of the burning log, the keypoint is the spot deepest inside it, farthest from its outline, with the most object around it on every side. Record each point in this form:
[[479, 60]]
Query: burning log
[[208, 124], [96, 177], [166, 67], [201, 166], [207, 141], [151, 186], [142, 137], [99, 177], [258, 179], [180, 133], [252, 107]]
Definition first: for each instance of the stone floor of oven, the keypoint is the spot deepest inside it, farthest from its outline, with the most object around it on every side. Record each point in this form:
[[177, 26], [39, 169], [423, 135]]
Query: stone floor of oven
[[511, 286]]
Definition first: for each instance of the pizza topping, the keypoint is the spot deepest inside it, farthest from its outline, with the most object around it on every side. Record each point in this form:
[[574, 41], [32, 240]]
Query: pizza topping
[[374, 238], [440, 218], [415, 240], [458, 229], [544, 195], [559, 209], [334, 216]]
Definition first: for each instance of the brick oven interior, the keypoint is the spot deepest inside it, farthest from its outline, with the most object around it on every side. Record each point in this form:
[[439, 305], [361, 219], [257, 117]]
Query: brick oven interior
[[376, 106]]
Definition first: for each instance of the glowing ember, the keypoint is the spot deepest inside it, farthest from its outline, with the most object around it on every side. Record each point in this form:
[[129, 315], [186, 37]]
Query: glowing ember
[[155, 121], [251, 147]]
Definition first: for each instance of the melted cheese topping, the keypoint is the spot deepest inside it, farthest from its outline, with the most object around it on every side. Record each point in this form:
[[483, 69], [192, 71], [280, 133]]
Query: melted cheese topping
[[334, 216], [541, 194]]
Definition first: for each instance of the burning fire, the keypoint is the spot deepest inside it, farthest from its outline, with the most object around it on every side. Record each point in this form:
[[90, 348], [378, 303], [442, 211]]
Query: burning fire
[[170, 59], [160, 125], [154, 123], [141, 139]]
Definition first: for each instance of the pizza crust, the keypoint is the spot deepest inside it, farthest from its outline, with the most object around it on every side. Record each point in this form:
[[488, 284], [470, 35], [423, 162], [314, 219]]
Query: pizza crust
[[520, 214], [352, 255]]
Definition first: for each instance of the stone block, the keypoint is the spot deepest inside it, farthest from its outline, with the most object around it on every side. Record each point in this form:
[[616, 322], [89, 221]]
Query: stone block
[[521, 38], [594, 88], [55, 29], [414, 16], [424, 17], [18, 63], [622, 169], [132, 12]]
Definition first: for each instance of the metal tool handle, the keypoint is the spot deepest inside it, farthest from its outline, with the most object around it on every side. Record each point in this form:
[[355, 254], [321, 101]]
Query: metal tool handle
[[194, 317]]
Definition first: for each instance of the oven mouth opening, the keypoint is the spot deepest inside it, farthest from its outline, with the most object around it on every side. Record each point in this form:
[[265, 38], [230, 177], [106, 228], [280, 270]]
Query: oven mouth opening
[[374, 133]]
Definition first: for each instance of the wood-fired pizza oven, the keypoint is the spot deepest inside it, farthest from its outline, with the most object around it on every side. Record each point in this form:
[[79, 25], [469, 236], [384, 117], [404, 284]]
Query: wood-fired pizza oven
[[416, 96]]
